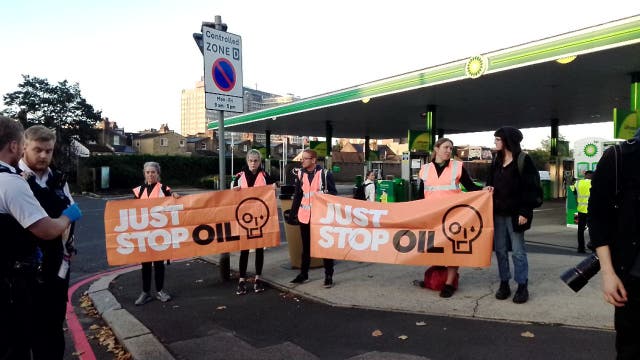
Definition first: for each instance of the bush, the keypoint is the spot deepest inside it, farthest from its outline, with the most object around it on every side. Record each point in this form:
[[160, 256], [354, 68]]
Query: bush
[[126, 171]]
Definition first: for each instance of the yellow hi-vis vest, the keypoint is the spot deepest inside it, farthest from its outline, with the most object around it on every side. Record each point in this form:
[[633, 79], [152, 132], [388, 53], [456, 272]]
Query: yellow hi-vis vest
[[448, 182], [308, 190], [583, 189]]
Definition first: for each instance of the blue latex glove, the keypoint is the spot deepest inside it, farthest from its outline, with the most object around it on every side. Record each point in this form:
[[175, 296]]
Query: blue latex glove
[[72, 212]]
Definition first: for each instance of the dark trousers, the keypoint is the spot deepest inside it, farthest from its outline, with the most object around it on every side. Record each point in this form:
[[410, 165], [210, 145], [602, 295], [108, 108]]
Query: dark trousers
[[17, 295], [50, 307], [582, 226], [244, 261], [305, 232], [158, 267], [627, 323]]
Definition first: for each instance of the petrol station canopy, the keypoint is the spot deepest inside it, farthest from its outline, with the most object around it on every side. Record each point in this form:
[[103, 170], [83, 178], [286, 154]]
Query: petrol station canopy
[[522, 86]]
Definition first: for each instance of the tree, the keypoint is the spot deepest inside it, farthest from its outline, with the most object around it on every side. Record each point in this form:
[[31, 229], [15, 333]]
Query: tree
[[58, 106]]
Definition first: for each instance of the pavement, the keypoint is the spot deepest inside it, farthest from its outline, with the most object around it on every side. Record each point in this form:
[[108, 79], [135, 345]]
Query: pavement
[[551, 248]]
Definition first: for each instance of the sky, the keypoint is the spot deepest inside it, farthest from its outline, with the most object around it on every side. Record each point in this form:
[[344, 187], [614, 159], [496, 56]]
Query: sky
[[132, 58]]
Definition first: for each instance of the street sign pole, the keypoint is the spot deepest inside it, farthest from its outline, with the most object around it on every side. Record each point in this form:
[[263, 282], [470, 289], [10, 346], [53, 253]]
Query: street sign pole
[[221, 143], [222, 53]]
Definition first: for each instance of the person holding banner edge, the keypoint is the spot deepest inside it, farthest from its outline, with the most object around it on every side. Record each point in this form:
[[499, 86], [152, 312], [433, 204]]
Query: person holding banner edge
[[152, 188], [251, 175], [514, 196], [311, 179], [442, 177]]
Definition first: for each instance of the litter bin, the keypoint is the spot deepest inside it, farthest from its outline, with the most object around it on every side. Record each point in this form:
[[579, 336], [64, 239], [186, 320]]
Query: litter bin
[[292, 232], [400, 190], [546, 189]]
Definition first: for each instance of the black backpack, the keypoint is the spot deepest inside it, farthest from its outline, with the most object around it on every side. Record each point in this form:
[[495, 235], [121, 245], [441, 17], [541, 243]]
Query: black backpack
[[358, 191]]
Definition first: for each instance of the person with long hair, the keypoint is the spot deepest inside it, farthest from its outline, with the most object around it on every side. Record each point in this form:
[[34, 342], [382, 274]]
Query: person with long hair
[[442, 177], [514, 196]]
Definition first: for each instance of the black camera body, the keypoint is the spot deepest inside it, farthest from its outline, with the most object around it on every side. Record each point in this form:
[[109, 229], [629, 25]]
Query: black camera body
[[578, 276]]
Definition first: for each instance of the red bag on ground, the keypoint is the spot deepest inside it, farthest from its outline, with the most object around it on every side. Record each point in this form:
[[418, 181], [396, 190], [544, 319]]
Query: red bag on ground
[[436, 276]]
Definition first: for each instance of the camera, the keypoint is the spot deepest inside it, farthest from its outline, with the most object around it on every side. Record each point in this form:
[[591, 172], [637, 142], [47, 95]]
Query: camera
[[578, 276]]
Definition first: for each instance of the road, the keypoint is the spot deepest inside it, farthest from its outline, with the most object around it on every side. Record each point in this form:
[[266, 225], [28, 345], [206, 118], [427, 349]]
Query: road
[[327, 331]]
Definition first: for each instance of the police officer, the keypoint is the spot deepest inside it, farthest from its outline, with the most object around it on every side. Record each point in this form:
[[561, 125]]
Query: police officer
[[582, 189], [52, 191], [20, 259]]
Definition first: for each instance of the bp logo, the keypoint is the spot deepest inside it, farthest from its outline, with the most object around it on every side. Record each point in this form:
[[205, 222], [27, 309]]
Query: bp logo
[[590, 150], [476, 66]]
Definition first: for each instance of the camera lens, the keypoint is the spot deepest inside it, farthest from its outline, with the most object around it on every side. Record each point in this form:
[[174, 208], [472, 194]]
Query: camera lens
[[577, 277]]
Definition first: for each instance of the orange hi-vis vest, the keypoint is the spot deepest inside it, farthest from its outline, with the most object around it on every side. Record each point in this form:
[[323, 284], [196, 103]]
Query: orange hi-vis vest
[[448, 182], [308, 190], [155, 193], [260, 180]]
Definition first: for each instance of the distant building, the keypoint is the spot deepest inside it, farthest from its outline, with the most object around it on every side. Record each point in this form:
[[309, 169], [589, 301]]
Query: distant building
[[194, 118], [160, 142]]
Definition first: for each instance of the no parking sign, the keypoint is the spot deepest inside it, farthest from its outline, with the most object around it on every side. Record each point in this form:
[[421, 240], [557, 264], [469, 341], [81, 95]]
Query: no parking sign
[[222, 70]]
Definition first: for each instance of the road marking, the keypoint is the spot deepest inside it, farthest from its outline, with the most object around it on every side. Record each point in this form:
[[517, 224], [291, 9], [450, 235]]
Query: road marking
[[77, 333]]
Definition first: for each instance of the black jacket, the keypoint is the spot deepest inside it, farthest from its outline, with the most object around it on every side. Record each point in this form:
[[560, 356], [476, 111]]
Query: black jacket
[[614, 218], [519, 195]]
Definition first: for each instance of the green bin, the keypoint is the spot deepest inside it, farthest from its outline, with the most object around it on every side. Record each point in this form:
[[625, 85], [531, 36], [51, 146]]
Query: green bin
[[546, 189], [400, 189]]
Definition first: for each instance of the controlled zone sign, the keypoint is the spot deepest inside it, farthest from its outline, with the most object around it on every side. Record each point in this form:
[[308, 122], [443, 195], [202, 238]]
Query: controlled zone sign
[[222, 70]]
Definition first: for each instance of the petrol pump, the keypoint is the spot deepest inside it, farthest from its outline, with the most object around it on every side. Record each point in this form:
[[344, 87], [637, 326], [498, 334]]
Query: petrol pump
[[412, 161], [586, 154]]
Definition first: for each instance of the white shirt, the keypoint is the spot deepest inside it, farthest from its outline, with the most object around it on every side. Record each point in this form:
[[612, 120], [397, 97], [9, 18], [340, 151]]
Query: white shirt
[[42, 180], [369, 190], [17, 200]]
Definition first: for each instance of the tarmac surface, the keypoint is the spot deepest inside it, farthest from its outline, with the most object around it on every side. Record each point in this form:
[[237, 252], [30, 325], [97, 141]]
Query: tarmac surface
[[206, 320]]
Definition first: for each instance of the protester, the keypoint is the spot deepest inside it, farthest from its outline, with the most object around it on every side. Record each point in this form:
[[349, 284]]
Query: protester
[[152, 188], [20, 260], [442, 177], [514, 192], [582, 190], [52, 191], [251, 175], [370, 186], [614, 229], [311, 179]]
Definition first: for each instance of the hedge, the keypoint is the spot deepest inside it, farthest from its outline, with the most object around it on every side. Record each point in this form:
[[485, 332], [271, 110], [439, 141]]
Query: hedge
[[125, 172]]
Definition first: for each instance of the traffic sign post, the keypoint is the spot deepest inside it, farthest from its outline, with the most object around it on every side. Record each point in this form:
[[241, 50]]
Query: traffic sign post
[[222, 70]]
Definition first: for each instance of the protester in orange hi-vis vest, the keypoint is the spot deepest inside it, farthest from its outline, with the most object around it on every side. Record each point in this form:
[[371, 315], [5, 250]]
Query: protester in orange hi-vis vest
[[251, 175], [442, 177], [152, 188], [311, 179]]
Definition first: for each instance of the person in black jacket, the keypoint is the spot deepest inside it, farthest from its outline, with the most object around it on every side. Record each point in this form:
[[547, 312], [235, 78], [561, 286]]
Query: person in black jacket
[[614, 228], [52, 191], [514, 192], [311, 179]]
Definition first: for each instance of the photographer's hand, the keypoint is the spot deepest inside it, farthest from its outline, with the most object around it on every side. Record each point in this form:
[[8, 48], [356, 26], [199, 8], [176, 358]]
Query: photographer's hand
[[612, 288]]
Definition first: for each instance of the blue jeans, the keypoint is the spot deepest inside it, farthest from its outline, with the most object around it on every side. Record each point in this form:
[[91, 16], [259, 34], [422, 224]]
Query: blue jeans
[[504, 235]]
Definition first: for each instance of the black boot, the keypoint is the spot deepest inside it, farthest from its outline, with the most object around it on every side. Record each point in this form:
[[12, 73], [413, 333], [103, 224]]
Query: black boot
[[522, 294], [504, 291]]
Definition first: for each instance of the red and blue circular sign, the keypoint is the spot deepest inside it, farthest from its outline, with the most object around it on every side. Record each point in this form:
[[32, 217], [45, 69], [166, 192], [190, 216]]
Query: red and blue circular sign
[[224, 74]]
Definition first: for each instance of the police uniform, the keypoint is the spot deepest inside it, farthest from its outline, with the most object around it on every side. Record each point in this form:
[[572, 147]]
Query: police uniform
[[19, 264], [52, 192]]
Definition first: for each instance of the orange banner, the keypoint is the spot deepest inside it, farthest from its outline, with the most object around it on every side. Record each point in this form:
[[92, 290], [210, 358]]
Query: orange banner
[[193, 225], [454, 230]]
